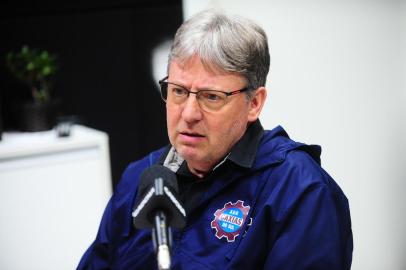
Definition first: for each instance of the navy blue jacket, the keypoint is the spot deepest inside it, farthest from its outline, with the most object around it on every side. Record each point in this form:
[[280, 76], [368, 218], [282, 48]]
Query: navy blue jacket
[[283, 213]]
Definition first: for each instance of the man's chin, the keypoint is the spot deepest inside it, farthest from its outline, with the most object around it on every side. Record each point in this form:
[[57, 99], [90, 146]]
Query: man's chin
[[193, 157], [190, 154]]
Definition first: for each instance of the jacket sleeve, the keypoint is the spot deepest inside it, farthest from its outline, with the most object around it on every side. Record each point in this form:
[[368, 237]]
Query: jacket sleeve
[[315, 233], [97, 256]]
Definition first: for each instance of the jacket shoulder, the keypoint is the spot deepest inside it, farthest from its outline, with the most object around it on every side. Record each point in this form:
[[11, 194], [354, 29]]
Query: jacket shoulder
[[130, 176]]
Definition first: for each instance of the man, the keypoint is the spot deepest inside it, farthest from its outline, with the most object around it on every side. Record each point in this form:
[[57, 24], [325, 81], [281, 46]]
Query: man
[[254, 199]]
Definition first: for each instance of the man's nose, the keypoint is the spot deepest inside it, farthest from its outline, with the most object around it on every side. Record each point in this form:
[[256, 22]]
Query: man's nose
[[191, 109]]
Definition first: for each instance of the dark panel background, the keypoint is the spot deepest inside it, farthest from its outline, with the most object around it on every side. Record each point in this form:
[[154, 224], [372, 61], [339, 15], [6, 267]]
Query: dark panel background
[[104, 77]]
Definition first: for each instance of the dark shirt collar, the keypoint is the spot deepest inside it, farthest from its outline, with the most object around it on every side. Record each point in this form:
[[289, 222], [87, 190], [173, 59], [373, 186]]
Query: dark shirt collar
[[244, 151]]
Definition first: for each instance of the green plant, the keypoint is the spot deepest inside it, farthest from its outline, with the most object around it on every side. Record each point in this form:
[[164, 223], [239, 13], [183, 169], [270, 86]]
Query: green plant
[[34, 68]]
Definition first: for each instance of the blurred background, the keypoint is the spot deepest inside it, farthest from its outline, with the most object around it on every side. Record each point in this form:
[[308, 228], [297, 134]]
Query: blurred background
[[104, 76], [338, 79]]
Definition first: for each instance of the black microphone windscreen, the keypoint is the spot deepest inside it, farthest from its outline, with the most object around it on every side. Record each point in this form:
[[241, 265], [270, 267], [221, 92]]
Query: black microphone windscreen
[[148, 176], [158, 191]]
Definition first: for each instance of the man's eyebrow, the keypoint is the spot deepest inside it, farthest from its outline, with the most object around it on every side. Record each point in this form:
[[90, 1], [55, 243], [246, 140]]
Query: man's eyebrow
[[199, 88], [178, 84]]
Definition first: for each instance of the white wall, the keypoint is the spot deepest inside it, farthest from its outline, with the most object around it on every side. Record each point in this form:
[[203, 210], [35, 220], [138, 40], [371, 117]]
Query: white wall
[[338, 79]]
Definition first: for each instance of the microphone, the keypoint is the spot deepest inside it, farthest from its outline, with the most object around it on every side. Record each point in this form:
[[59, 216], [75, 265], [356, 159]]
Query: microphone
[[159, 208]]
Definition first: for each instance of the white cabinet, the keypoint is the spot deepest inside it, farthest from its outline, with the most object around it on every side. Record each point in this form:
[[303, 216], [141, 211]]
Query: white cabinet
[[52, 195]]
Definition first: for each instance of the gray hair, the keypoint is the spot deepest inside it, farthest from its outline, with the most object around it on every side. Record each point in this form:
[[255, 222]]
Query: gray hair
[[224, 43]]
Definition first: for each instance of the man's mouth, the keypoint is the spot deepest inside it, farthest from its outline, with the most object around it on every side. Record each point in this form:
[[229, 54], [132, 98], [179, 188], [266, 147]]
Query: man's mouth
[[191, 134], [190, 137]]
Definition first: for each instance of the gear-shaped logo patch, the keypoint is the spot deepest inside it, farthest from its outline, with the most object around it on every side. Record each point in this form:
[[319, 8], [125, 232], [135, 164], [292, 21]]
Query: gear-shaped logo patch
[[229, 220]]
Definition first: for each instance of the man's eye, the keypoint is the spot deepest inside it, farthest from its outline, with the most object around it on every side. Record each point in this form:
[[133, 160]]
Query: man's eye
[[179, 92], [211, 96]]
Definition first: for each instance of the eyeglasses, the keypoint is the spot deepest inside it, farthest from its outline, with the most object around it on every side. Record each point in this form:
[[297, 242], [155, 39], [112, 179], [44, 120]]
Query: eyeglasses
[[209, 100]]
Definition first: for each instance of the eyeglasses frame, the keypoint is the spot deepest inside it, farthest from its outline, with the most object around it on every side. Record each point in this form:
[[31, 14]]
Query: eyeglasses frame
[[242, 90]]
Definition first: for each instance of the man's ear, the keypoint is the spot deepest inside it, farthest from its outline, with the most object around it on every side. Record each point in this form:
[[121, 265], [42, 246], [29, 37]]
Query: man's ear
[[256, 103]]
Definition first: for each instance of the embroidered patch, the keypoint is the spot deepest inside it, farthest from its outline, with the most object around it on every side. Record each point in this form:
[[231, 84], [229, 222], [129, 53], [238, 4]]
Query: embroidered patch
[[229, 220]]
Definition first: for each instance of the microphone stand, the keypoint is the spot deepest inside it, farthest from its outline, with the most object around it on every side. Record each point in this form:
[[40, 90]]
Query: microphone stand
[[161, 236]]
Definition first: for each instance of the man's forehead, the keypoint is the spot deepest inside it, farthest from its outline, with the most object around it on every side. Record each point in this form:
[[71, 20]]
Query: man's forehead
[[193, 61], [185, 70]]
